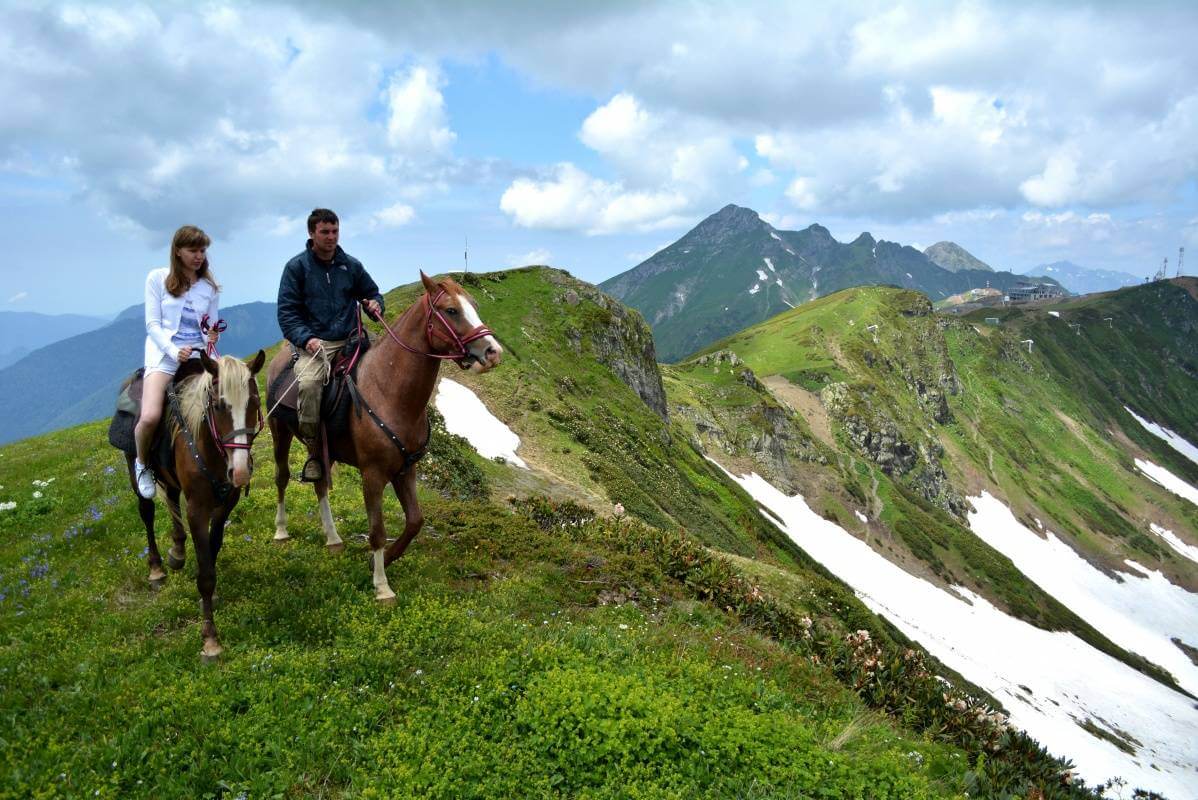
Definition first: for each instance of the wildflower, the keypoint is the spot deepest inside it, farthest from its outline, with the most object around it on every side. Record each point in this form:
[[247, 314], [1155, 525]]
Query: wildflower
[[94, 512], [109, 470], [36, 495], [9, 506], [623, 627]]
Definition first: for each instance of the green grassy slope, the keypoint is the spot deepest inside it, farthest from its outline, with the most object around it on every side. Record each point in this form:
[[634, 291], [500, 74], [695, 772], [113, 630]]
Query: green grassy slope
[[535, 650], [925, 411]]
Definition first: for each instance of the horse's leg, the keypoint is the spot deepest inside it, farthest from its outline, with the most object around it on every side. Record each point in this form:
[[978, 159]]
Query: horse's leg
[[281, 436], [405, 490], [145, 509], [198, 519], [373, 483], [331, 540], [177, 555]]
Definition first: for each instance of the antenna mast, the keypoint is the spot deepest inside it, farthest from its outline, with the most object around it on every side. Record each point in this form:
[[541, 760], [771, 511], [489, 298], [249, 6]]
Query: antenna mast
[[1181, 254], [466, 253]]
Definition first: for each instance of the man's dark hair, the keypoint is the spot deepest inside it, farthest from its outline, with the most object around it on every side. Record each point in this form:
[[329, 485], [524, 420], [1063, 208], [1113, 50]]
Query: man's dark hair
[[320, 215]]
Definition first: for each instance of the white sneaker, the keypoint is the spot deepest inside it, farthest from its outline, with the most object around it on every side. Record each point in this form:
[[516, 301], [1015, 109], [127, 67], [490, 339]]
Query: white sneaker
[[145, 480]]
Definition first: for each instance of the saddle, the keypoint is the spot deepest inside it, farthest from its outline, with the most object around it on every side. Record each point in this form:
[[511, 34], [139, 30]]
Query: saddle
[[339, 394], [128, 411]]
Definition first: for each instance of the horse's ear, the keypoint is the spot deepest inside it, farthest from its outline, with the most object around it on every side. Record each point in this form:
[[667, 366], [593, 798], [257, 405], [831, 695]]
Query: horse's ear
[[257, 363], [209, 364], [430, 285]]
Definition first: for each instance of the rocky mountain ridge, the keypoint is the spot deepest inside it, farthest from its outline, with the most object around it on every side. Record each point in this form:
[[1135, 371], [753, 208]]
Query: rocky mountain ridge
[[734, 270]]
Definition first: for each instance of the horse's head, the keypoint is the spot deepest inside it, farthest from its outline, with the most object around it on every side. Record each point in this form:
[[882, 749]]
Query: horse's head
[[234, 411], [455, 327]]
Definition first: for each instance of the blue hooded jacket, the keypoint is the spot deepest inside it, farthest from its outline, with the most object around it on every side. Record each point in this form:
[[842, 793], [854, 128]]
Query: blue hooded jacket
[[319, 300]]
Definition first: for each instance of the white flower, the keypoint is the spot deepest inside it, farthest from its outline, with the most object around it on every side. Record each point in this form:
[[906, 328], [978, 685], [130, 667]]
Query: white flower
[[623, 627], [9, 506], [37, 495]]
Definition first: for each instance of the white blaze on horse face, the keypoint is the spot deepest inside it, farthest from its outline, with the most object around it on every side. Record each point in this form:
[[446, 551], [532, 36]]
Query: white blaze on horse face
[[241, 455], [479, 347]]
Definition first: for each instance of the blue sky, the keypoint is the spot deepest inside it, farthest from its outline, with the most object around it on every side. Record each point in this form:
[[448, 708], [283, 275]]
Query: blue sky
[[585, 136]]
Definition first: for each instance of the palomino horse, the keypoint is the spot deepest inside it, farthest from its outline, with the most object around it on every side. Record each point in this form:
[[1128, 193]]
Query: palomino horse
[[394, 380], [216, 415]]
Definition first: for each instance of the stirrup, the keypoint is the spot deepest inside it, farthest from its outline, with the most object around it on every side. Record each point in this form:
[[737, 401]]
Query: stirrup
[[313, 470]]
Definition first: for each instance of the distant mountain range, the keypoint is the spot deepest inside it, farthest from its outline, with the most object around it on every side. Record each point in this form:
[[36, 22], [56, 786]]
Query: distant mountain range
[[1083, 280], [734, 270], [76, 379], [955, 258], [23, 332]]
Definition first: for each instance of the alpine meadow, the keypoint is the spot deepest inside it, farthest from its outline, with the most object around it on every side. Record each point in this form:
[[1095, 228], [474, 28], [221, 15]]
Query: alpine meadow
[[698, 644], [599, 401]]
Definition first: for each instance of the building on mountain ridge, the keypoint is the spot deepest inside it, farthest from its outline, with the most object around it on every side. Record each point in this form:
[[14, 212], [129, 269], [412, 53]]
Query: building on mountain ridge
[[1027, 292]]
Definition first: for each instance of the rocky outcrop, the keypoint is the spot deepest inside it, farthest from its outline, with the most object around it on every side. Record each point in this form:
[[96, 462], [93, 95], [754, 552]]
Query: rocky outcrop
[[879, 438], [617, 337]]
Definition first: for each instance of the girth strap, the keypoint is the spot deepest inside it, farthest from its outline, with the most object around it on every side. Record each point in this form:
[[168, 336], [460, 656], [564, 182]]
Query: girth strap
[[409, 458]]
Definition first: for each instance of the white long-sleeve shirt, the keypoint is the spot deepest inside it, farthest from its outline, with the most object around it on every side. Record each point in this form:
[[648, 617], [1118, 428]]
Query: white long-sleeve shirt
[[163, 311]]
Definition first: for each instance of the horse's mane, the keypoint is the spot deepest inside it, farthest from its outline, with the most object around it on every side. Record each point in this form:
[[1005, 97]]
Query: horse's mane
[[234, 387]]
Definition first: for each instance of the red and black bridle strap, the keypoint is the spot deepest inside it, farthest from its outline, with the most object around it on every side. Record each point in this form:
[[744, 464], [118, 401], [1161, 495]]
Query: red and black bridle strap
[[432, 315]]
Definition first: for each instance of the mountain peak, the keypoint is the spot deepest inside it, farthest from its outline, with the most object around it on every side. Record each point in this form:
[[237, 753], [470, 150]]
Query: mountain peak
[[865, 238], [954, 258], [728, 221]]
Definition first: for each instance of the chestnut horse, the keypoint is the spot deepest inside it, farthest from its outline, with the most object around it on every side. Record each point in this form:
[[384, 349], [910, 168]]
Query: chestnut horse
[[215, 416], [394, 382]]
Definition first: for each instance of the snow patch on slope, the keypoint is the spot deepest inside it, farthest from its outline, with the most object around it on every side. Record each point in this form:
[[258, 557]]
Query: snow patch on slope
[[1167, 479], [1174, 541], [1070, 681], [769, 264], [1176, 442], [761, 276], [467, 416], [1142, 613]]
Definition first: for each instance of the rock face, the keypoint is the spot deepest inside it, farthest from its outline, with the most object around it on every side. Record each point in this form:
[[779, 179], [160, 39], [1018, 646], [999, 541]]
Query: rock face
[[764, 432], [619, 339], [954, 258]]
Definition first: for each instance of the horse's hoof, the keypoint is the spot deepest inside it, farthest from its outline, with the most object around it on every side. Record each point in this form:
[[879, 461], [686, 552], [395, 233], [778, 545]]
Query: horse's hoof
[[281, 536], [385, 599], [157, 583], [211, 652], [336, 548], [174, 562]]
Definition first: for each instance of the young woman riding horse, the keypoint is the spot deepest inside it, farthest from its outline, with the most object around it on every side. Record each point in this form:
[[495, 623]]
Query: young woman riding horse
[[216, 415], [395, 380]]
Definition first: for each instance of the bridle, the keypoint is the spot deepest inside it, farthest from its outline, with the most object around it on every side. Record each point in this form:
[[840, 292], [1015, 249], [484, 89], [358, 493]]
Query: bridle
[[431, 316], [226, 443]]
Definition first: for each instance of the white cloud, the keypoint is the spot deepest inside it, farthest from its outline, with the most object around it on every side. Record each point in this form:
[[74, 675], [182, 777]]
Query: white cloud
[[570, 199], [283, 120], [394, 216], [417, 124], [670, 170], [538, 256], [800, 193], [18, 297]]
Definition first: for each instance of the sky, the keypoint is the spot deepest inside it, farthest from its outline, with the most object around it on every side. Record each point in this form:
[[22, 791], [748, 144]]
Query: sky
[[582, 135]]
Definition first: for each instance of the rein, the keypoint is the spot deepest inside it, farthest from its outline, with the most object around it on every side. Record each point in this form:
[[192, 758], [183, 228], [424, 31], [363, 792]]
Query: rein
[[220, 326], [433, 313]]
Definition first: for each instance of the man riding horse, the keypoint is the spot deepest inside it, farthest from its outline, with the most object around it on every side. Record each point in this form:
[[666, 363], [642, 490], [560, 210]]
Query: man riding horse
[[318, 298]]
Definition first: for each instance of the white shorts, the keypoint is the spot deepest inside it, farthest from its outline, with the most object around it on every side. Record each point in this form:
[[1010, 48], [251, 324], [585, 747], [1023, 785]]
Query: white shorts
[[169, 365]]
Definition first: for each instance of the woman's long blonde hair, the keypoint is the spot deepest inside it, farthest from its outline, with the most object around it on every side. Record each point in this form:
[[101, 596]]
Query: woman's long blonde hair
[[176, 281]]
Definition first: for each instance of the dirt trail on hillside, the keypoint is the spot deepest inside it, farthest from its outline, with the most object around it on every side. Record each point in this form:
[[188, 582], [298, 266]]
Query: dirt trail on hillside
[[803, 402]]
